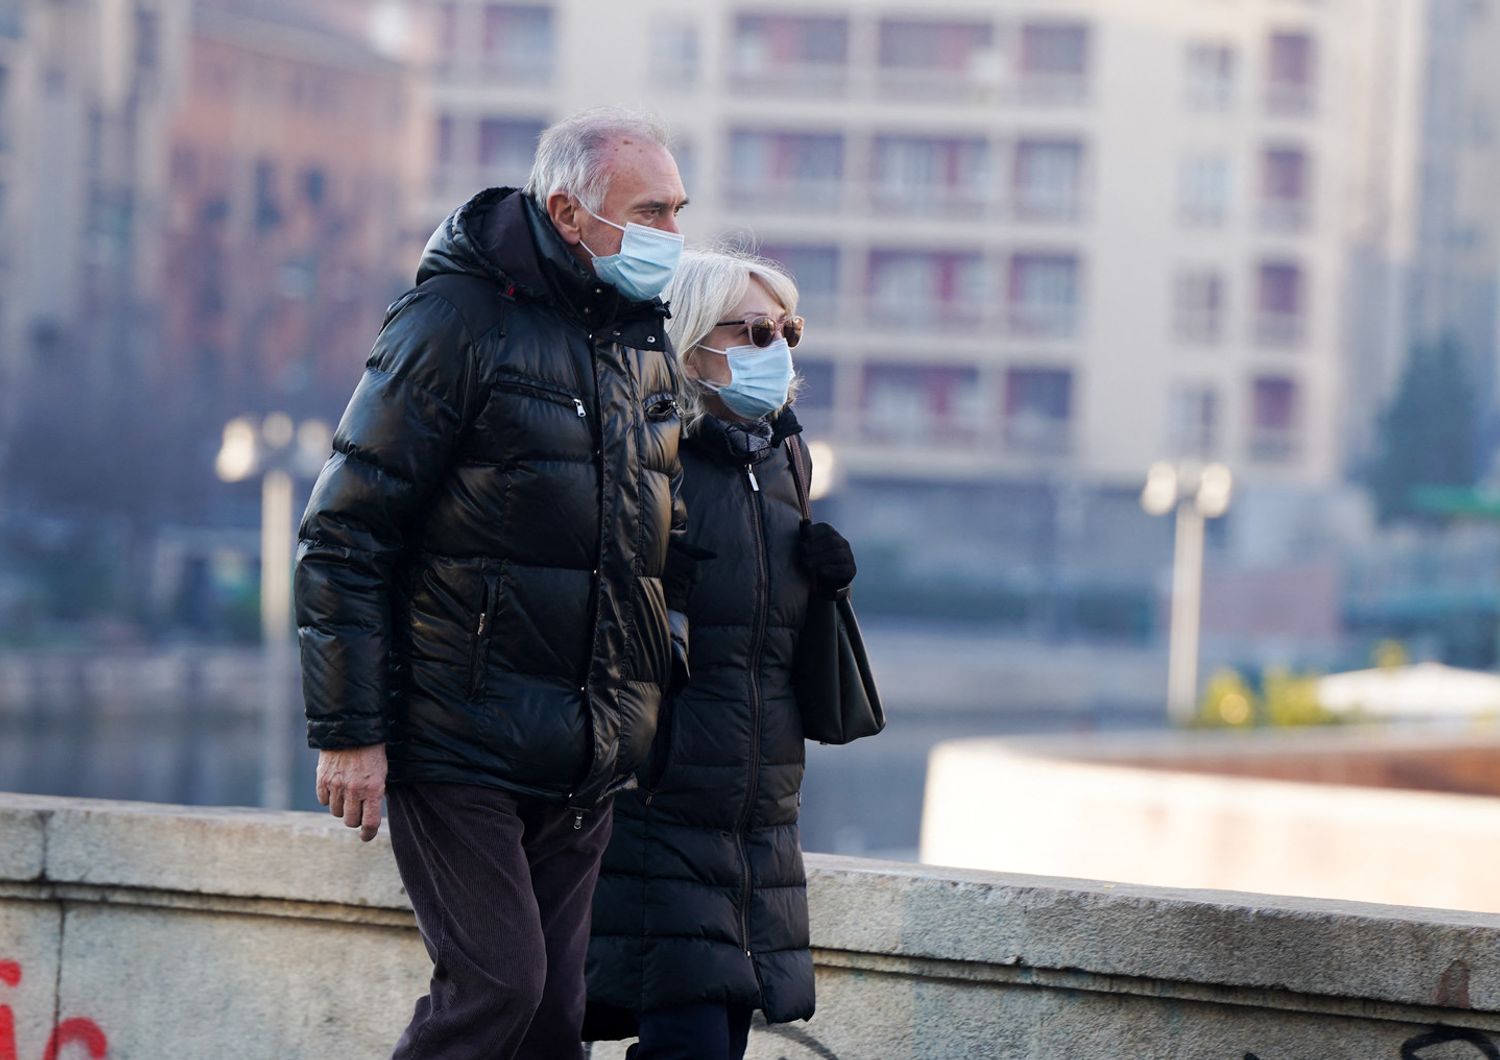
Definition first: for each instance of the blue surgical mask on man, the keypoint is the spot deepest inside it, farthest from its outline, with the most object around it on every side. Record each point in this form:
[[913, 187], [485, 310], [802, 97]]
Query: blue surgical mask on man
[[760, 379], [647, 259]]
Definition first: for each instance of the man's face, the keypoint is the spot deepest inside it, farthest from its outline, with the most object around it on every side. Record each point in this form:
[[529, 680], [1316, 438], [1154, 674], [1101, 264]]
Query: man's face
[[644, 187]]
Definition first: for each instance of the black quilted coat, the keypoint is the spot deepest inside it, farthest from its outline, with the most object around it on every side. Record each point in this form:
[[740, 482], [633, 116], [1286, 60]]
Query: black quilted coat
[[478, 580], [703, 896]]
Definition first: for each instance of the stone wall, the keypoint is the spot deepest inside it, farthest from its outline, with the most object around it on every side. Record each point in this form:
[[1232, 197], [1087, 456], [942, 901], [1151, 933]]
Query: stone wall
[[143, 932]]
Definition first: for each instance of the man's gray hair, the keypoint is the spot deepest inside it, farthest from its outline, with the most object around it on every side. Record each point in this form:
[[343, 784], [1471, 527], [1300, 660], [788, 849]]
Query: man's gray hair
[[570, 156]]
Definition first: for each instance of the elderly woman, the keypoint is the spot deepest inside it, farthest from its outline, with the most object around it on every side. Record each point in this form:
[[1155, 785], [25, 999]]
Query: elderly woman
[[700, 916]]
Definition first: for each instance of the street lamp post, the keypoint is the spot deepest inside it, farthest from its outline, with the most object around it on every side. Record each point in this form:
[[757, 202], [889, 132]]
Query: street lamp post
[[276, 449], [1197, 494]]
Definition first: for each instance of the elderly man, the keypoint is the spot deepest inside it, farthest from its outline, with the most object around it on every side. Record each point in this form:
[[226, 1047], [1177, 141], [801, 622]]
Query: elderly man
[[485, 636]]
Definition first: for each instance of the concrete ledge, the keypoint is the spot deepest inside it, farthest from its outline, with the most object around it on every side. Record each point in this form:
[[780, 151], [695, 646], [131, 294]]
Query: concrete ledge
[[258, 918], [1396, 817]]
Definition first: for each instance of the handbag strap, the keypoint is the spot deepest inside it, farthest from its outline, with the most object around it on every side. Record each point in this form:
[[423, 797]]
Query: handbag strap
[[795, 457]]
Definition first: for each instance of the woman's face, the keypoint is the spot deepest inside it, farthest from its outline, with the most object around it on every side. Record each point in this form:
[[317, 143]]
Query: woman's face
[[714, 367]]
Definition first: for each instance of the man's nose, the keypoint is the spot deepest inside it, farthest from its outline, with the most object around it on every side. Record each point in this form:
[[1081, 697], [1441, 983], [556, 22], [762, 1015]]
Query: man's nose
[[668, 224]]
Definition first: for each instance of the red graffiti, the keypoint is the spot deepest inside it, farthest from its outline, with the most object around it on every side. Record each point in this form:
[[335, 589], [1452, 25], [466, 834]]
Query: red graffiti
[[75, 1031]]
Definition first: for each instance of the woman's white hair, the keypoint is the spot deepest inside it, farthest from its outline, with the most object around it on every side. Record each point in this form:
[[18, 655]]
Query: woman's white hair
[[707, 285], [571, 155]]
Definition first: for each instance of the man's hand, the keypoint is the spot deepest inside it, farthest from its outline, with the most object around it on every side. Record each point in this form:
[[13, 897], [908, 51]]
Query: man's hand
[[351, 784]]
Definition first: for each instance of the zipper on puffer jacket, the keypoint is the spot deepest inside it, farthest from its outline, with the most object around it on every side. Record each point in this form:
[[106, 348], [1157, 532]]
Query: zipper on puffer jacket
[[757, 646], [546, 391], [479, 642]]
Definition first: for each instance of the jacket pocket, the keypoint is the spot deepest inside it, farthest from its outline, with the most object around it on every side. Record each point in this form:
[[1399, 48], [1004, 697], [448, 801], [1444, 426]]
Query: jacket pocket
[[545, 391], [481, 630]]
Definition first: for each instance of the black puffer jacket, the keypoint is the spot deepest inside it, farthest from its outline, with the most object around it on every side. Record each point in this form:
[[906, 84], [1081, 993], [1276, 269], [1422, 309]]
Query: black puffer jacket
[[703, 896], [478, 580]]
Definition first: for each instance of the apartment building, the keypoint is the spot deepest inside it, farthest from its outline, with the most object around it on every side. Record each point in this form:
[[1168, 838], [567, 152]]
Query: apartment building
[[1034, 239], [86, 91], [293, 174]]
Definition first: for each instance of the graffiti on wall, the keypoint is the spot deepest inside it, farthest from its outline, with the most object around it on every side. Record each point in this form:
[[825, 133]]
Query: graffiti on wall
[[1415, 1048], [84, 1034]]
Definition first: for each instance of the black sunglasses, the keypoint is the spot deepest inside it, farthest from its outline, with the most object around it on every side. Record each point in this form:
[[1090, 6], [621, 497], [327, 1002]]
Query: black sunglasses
[[763, 330]]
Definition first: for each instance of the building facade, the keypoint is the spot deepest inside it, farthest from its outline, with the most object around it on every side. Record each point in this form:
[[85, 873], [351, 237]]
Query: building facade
[[293, 177], [1033, 239]]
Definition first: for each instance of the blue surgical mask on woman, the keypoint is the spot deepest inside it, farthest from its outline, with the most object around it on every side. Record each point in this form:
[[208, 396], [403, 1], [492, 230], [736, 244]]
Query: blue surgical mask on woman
[[760, 378], [647, 259]]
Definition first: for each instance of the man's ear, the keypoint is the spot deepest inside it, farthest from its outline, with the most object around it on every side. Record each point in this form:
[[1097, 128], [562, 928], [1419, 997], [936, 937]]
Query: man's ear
[[563, 210]]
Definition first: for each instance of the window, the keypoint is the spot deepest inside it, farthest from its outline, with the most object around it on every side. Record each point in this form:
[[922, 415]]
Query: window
[[147, 39], [674, 54], [1048, 179], [506, 149], [1043, 295], [1279, 308], [915, 289], [816, 270], [923, 403], [1291, 74], [1203, 191], [790, 168], [1209, 76], [1054, 61], [445, 154], [1038, 410], [1273, 423], [1193, 430], [267, 206], [518, 41], [1198, 311], [790, 51], [936, 58], [919, 173], [1284, 188], [816, 396], [446, 18]]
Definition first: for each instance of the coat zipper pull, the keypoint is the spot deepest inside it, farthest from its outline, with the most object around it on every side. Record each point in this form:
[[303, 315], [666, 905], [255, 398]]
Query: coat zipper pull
[[577, 820], [754, 482], [484, 621], [583, 415]]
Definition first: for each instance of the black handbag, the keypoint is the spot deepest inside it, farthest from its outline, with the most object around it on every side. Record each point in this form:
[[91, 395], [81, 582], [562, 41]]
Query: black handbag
[[830, 671]]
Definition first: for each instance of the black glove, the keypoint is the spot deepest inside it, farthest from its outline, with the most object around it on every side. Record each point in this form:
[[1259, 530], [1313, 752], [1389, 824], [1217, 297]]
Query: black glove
[[827, 557], [682, 572]]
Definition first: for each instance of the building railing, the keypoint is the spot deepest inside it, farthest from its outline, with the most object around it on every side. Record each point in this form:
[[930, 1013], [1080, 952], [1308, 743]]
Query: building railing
[[1291, 100], [1052, 321], [1284, 216], [782, 78], [1280, 330], [1273, 445], [1039, 435]]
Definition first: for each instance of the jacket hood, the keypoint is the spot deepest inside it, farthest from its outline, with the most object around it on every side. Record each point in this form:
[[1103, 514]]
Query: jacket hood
[[502, 236]]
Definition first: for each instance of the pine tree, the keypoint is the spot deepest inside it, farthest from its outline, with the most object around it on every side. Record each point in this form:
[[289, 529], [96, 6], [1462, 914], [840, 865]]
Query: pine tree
[[1427, 433]]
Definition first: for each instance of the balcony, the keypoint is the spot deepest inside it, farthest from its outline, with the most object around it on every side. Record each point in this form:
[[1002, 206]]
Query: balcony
[[1046, 205], [1038, 435], [1279, 330], [907, 84], [791, 79], [1285, 216], [1043, 321], [920, 314], [1041, 89], [786, 193], [1202, 327], [1291, 100], [963, 200], [1273, 445]]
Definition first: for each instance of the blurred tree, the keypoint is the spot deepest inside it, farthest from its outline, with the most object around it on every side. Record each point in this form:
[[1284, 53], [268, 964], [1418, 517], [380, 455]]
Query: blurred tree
[[1427, 433]]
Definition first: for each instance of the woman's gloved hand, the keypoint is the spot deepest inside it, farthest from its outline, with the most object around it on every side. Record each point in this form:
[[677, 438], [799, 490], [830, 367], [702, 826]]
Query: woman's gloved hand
[[827, 557]]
